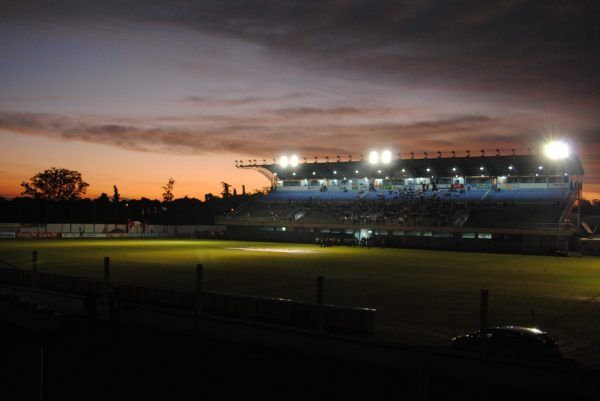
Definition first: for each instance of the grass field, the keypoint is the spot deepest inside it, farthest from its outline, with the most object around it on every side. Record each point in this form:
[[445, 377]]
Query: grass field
[[421, 297]]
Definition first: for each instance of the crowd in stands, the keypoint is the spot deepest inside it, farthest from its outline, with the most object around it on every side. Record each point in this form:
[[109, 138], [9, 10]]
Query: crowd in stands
[[409, 211], [414, 211], [393, 207]]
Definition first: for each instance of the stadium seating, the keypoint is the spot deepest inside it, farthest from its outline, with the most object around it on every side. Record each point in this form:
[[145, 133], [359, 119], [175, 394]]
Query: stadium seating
[[339, 195], [465, 196], [292, 195], [524, 208], [552, 194]]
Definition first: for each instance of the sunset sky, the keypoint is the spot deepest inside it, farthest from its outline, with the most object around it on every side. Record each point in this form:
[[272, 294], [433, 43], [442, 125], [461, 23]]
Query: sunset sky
[[134, 92]]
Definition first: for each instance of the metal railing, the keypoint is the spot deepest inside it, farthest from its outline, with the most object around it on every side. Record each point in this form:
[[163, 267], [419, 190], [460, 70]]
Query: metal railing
[[38, 278]]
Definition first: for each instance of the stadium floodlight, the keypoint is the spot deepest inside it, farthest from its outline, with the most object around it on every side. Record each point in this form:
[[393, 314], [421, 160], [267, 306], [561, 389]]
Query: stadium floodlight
[[294, 160], [284, 161], [373, 157], [557, 150], [386, 157]]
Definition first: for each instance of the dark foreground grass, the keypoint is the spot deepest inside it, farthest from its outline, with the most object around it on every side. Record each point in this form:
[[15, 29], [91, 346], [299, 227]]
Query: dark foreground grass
[[422, 297]]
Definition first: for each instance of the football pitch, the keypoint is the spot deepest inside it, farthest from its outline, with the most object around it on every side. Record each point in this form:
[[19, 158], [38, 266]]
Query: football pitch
[[422, 297]]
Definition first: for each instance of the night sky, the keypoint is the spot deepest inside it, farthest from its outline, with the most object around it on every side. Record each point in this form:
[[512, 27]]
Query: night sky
[[134, 92]]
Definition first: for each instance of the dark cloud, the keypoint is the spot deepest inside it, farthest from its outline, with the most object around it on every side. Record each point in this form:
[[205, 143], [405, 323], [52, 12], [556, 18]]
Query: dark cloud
[[212, 101], [511, 47], [307, 111], [274, 136]]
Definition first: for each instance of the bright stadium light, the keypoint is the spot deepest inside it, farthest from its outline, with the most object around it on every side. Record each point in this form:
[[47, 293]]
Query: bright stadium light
[[294, 160], [284, 161], [373, 157], [557, 150], [386, 156]]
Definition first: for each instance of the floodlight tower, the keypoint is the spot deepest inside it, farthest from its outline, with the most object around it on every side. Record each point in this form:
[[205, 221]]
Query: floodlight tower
[[557, 151], [386, 157], [373, 157]]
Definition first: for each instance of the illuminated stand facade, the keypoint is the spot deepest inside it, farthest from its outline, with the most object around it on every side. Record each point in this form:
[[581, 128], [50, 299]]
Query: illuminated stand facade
[[550, 180]]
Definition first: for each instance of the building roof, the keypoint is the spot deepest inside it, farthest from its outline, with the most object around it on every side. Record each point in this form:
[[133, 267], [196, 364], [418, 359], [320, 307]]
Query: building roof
[[467, 166]]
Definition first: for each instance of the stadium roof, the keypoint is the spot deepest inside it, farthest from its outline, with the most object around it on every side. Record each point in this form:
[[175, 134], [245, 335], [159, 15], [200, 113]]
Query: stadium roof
[[468, 166]]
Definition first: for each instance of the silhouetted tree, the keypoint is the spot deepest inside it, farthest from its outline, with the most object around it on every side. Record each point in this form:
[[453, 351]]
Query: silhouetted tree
[[103, 198], [168, 188], [225, 193], [116, 196], [55, 184]]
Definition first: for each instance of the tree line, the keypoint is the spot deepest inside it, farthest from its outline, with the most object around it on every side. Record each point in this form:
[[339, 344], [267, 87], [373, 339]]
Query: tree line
[[56, 195]]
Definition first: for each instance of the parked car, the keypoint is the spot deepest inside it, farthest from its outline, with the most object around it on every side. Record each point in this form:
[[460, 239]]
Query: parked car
[[512, 342]]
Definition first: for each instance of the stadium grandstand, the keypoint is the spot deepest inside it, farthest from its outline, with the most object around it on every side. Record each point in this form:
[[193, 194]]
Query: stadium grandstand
[[493, 201]]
